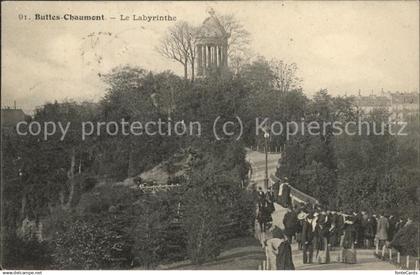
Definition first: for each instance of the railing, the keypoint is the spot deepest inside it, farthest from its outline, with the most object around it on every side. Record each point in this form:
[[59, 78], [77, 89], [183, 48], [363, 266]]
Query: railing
[[271, 149], [156, 188], [395, 258]]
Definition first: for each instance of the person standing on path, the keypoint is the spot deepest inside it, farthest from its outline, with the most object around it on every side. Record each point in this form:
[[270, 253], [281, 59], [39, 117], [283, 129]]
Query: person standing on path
[[348, 253], [392, 220], [284, 257], [272, 245], [264, 216], [260, 197], [369, 232], [323, 254], [290, 223], [333, 232], [382, 230], [301, 219], [270, 201], [307, 240], [284, 194]]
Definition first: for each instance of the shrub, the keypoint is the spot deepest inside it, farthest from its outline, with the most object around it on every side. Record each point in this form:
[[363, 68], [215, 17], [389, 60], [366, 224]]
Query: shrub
[[216, 208], [406, 240], [25, 254], [157, 235], [91, 242], [115, 227]]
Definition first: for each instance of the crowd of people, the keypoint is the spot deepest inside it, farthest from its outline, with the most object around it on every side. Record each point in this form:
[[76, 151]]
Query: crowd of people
[[318, 230]]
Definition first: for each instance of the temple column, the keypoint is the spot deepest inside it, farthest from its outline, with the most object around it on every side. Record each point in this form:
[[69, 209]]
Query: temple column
[[214, 56], [204, 49], [209, 56], [219, 53], [217, 56], [199, 60], [223, 55]]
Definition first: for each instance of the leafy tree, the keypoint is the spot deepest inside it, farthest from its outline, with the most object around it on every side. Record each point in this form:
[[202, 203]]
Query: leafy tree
[[212, 204]]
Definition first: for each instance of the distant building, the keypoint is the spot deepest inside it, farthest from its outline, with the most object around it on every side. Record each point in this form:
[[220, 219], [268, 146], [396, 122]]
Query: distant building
[[401, 106], [211, 45], [369, 103], [404, 105]]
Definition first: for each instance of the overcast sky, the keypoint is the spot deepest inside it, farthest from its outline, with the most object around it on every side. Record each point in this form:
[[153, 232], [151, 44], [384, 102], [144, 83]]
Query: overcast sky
[[341, 46]]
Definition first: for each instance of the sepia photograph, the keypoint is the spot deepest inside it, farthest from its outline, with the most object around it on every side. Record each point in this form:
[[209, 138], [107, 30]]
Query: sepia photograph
[[210, 135]]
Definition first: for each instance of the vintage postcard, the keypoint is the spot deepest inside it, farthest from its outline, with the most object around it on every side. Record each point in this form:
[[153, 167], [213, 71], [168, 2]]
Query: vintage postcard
[[201, 135]]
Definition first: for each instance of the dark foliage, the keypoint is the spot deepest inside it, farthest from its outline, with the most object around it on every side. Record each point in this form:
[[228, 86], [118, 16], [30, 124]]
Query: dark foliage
[[407, 241], [25, 254]]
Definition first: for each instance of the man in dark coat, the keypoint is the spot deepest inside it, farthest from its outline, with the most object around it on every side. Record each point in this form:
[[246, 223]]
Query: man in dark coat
[[323, 227], [340, 228], [276, 187], [264, 217], [290, 222], [333, 229], [399, 225], [358, 230], [363, 229], [307, 239], [270, 201], [369, 231], [260, 197], [285, 199], [299, 232], [392, 227]]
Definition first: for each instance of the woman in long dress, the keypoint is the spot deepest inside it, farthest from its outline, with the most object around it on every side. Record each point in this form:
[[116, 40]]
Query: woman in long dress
[[348, 253], [284, 257], [279, 251]]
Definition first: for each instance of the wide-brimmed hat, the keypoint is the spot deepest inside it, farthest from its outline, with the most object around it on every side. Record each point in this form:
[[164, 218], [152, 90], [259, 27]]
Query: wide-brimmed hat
[[302, 216]]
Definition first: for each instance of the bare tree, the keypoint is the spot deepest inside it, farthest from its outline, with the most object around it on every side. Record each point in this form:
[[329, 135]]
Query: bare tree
[[285, 78], [178, 45], [191, 50], [239, 37]]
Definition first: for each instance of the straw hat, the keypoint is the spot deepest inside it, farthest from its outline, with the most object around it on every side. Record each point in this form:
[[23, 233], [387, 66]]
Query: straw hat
[[302, 216]]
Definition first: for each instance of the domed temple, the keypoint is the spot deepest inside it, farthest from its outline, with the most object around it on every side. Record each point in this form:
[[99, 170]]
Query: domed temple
[[211, 45]]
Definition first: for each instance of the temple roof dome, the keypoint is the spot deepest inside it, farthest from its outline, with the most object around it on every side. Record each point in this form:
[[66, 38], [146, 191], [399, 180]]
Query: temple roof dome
[[212, 28]]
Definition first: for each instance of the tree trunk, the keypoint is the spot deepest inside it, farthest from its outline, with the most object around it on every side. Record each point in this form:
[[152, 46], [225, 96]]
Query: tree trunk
[[186, 69], [80, 166], [192, 69], [131, 161], [70, 175], [23, 206], [61, 198]]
